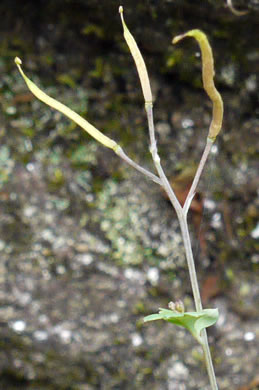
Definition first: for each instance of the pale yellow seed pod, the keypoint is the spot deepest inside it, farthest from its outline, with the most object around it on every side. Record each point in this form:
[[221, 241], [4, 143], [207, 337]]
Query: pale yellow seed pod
[[90, 129], [207, 78], [139, 61]]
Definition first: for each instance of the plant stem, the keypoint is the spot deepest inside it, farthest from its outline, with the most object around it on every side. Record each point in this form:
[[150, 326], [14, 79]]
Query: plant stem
[[153, 150], [197, 298], [196, 179], [182, 217], [144, 171]]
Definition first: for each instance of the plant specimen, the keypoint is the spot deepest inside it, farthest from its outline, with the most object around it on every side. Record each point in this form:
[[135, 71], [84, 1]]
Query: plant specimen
[[196, 322]]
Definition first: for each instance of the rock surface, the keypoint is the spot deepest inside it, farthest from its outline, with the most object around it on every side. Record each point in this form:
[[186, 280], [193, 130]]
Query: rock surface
[[88, 246]]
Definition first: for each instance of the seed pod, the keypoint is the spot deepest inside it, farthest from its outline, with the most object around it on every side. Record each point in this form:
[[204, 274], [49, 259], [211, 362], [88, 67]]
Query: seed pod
[[90, 129], [139, 61], [207, 78]]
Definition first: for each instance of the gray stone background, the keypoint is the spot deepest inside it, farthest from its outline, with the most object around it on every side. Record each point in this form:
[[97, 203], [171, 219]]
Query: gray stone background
[[88, 246]]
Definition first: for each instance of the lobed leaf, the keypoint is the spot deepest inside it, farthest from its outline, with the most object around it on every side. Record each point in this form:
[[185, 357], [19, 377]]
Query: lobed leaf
[[195, 322]]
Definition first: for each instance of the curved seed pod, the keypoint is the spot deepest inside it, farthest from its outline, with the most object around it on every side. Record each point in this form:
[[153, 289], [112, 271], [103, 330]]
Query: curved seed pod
[[140, 64], [103, 139], [207, 78], [235, 11]]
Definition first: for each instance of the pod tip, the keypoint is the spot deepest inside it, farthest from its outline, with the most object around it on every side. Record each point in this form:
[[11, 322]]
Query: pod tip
[[18, 61], [178, 38]]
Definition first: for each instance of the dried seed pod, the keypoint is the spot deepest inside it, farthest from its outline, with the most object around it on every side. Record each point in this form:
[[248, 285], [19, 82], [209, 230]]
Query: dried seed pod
[[207, 78], [90, 129], [139, 61]]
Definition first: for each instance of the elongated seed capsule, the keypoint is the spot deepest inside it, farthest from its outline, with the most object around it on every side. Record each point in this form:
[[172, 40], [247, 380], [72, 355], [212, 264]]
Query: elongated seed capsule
[[139, 61], [235, 11], [90, 129], [207, 78]]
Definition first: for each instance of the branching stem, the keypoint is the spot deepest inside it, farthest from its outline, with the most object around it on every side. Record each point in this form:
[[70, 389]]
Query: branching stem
[[153, 150], [119, 151], [182, 217]]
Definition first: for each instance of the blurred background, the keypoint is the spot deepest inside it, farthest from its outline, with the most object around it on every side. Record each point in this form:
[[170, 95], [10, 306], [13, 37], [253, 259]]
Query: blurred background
[[89, 246]]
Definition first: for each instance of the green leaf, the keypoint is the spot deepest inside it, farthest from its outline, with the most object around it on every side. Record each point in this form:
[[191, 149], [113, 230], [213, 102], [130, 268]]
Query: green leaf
[[192, 321]]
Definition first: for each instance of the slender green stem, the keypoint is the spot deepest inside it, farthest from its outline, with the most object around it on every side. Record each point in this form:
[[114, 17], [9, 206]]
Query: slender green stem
[[196, 179], [197, 299], [142, 170], [182, 217], [153, 150], [190, 262]]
